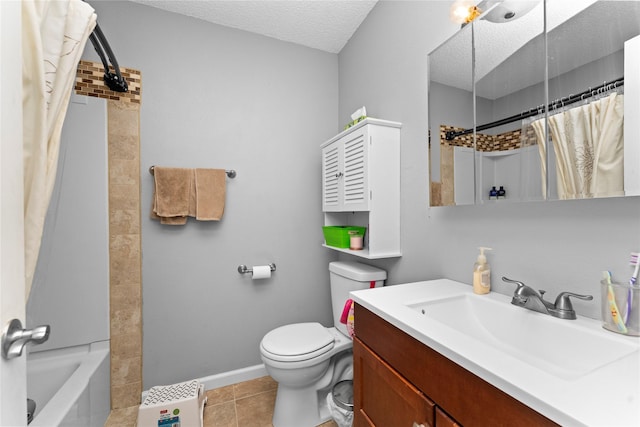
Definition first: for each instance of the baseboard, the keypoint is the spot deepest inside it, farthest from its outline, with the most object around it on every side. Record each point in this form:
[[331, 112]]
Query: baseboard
[[233, 377], [228, 378]]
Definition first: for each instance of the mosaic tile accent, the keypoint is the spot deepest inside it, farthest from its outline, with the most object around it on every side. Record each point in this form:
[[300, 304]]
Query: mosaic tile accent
[[501, 142], [528, 138], [90, 82], [458, 141]]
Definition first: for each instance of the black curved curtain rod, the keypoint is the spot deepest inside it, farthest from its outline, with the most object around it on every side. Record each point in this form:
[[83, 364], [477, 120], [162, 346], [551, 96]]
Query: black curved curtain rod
[[540, 109], [115, 81]]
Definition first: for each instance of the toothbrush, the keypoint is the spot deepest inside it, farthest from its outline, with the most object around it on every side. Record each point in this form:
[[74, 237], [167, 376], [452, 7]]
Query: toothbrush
[[634, 261], [633, 282], [613, 307]]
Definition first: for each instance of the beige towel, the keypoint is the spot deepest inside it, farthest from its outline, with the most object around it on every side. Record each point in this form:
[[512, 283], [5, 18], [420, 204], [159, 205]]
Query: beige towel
[[172, 194], [210, 194]]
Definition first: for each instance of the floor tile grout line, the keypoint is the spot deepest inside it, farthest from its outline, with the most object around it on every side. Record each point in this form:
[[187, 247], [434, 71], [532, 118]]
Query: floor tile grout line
[[235, 410], [255, 394]]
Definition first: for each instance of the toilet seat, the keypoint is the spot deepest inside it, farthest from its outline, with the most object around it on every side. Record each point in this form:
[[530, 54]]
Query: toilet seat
[[297, 342]]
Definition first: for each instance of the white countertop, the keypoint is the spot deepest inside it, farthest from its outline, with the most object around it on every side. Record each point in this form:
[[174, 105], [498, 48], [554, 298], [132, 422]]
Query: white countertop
[[607, 396]]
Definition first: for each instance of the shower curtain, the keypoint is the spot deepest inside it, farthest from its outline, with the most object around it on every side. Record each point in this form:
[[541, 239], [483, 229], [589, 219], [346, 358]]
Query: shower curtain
[[538, 128], [54, 33], [589, 147]]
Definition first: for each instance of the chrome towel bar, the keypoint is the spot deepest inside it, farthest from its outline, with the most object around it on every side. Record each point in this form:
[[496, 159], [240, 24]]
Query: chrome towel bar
[[230, 173]]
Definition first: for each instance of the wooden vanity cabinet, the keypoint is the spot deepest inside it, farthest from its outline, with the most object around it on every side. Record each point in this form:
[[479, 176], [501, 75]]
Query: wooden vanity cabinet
[[383, 397], [399, 381]]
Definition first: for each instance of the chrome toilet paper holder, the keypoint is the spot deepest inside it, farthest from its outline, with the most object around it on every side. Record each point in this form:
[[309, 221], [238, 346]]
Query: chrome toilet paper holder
[[242, 269]]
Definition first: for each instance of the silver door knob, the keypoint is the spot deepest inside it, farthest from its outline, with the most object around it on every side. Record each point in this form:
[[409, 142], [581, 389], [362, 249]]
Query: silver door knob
[[14, 338]]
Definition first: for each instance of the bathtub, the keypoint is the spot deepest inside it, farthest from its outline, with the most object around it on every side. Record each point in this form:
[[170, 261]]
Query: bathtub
[[70, 386]]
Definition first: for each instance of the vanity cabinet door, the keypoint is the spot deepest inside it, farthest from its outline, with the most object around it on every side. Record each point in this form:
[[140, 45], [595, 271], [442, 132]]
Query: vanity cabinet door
[[382, 397], [444, 420]]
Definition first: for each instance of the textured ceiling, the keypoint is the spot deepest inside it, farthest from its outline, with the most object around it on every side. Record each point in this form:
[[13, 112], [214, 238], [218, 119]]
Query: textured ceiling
[[326, 24]]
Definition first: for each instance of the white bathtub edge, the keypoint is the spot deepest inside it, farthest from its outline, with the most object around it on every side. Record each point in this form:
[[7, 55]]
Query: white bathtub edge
[[60, 404]]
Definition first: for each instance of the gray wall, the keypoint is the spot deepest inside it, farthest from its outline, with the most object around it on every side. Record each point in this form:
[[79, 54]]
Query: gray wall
[[550, 245], [216, 97], [70, 288]]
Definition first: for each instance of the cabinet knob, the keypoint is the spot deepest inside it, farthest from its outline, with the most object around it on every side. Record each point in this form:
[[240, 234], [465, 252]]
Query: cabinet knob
[[418, 425]]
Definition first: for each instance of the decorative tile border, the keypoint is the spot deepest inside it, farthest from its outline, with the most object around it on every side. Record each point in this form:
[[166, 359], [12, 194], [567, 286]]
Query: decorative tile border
[[90, 82], [502, 142], [458, 141]]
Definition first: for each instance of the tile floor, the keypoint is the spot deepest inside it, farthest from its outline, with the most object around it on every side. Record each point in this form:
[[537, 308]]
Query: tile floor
[[246, 404]]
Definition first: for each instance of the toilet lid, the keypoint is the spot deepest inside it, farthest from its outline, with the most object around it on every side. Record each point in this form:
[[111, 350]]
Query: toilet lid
[[298, 341]]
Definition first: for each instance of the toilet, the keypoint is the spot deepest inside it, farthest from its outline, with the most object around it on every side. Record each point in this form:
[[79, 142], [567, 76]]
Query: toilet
[[307, 359]]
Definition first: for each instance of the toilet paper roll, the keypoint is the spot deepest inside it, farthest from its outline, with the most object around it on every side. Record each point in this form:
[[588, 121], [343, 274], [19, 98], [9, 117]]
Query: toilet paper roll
[[261, 272]]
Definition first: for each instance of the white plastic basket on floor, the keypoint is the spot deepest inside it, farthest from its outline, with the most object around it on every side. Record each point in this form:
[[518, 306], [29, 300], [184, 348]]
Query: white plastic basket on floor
[[177, 405]]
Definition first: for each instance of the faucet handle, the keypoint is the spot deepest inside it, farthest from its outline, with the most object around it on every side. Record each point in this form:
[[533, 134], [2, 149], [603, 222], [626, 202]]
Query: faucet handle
[[519, 285], [564, 303]]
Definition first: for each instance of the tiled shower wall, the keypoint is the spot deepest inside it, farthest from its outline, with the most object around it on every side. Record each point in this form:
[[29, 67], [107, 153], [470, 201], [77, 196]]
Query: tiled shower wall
[[125, 258], [442, 193]]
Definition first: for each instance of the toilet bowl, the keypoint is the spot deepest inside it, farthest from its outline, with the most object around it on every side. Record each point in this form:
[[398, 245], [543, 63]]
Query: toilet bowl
[[307, 359]]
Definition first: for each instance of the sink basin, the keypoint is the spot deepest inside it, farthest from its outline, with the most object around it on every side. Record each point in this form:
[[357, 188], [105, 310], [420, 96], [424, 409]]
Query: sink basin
[[559, 347]]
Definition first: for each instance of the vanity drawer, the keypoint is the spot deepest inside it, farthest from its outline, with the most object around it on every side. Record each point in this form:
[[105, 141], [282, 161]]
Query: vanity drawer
[[384, 398], [464, 396]]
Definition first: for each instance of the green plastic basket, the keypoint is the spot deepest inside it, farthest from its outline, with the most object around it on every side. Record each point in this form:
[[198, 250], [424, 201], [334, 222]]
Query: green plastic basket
[[338, 235]]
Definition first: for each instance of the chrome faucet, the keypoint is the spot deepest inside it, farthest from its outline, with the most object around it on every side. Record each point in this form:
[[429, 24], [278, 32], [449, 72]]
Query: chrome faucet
[[527, 297]]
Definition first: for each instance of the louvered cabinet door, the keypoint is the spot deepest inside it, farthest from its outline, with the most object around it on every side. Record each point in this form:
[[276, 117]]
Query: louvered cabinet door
[[332, 177], [344, 174], [355, 181]]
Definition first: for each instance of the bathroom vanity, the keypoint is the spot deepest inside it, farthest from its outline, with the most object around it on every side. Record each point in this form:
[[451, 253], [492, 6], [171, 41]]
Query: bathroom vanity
[[434, 354], [400, 381]]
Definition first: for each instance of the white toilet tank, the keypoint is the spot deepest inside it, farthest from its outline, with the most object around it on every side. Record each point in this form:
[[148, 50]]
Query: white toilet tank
[[350, 276]]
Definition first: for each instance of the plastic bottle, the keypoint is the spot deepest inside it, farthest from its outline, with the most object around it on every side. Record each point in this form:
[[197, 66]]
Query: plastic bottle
[[493, 193], [482, 274], [502, 193]]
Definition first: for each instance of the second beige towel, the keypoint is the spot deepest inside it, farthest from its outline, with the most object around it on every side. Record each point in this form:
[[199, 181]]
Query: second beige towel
[[210, 194]]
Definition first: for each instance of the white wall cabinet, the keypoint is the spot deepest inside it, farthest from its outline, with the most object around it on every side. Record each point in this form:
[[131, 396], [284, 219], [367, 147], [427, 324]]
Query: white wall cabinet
[[361, 185]]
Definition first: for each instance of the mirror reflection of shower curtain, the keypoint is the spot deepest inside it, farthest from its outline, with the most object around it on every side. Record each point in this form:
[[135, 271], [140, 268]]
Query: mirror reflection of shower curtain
[[588, 146], [533, 158], [54, 34]]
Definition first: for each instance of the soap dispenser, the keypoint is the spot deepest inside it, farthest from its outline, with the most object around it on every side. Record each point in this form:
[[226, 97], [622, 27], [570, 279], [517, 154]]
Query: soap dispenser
[[482, 273]]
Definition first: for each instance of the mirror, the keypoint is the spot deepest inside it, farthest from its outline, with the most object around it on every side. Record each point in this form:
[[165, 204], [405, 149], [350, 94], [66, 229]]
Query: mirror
[[498, 89]]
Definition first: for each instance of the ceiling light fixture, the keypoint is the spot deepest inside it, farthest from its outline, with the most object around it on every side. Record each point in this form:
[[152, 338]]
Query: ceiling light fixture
[[499, 11], [464, 11]]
